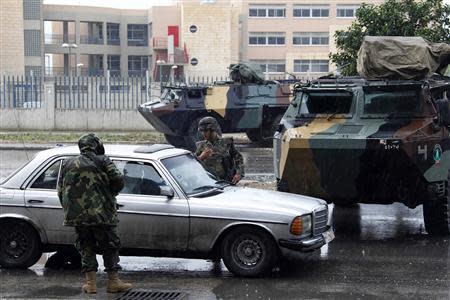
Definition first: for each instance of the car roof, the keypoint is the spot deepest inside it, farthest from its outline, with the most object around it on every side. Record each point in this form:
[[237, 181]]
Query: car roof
[[150, 151]]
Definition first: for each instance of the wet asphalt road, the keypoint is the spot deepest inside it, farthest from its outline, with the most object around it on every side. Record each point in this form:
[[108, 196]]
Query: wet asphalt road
[[380, 252]]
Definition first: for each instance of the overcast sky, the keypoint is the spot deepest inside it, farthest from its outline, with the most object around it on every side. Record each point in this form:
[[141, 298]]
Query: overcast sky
[[130, 4]]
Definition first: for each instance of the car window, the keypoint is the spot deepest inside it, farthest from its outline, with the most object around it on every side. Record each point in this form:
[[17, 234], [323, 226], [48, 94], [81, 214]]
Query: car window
[[140, 178], [49, 178]]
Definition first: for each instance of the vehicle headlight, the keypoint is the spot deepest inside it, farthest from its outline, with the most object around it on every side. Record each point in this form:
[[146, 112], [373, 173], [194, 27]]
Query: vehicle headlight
[[301, 225]]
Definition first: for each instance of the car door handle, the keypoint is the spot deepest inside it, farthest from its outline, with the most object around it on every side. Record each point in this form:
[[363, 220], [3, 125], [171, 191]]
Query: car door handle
[[120, 205], [35, 201]]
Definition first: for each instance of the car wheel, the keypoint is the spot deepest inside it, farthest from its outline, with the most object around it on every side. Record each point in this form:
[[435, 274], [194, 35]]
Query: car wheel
[[65, 258], [20, 246], [249, 252], [174, 140], [436, 215]]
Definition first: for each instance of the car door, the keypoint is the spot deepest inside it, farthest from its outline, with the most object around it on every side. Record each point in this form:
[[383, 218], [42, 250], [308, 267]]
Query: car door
[[148, 219], [42, 200]]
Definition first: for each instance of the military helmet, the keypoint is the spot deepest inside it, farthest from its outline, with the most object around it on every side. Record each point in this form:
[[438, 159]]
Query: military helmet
[[91, 142], [208, 123]]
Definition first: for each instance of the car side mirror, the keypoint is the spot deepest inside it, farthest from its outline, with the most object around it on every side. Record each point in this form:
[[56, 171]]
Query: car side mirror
[[443, 107], [167, 191]]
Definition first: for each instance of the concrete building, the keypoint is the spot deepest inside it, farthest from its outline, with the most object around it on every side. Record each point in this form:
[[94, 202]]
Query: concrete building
[[20, 37], [294, 37], [190, 38]]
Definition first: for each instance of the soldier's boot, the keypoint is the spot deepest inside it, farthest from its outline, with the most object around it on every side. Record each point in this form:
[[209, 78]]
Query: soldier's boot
[[90, 287], [115, 285]]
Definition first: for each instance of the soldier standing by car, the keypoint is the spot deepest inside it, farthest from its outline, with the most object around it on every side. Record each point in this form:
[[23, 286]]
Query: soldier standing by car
[[219, 155], [87, 190]]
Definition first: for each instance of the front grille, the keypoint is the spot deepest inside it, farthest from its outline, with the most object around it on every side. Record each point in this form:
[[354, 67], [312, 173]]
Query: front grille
[[320, 220]]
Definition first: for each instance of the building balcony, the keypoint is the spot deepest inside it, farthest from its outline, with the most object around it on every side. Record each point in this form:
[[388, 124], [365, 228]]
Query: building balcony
[[139, 73], [180, 57], [59, 39], [159, 43], [113, 41], [91, 40]]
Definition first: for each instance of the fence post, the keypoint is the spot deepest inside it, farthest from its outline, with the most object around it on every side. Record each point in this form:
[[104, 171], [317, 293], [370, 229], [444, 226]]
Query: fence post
[[147, 82], [49, 105], [108, 89]]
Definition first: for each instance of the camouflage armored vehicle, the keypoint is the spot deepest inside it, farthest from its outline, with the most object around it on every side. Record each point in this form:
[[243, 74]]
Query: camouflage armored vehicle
[[253, 106], [356, 141]]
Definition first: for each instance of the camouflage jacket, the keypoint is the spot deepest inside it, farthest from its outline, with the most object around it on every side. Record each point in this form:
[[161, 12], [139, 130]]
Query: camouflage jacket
[[87, 190], [225, 160]]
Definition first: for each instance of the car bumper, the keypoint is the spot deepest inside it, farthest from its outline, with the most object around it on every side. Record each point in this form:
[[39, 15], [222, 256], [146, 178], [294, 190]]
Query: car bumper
[[308, 244]]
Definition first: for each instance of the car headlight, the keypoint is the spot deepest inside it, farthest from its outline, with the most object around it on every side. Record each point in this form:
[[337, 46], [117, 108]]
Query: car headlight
[[301, 225]]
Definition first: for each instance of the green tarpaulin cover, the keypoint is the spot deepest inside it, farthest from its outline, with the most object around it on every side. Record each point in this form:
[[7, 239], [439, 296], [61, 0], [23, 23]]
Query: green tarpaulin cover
[[246, 73], [394, 57]]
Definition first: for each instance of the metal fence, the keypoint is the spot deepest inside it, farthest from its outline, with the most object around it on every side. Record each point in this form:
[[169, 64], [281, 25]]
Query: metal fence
[[96, 92], [21, 92], [83, 92]]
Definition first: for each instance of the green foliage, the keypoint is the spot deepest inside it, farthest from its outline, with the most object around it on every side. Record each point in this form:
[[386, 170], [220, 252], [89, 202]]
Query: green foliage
[[426, 18]]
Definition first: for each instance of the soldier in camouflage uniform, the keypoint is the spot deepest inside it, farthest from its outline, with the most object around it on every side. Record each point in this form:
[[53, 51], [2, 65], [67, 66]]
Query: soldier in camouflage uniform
[[219, 155], [87, 190]]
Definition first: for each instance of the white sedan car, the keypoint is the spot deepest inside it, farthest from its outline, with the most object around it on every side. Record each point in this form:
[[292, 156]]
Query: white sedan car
[[170, 206]]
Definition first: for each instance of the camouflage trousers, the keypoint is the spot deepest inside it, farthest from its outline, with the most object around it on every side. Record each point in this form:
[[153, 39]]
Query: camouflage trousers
[[91, 240]]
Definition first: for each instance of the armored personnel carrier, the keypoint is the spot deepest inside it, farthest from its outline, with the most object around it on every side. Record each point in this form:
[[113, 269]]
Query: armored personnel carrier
[[351, 140], [247, 104]]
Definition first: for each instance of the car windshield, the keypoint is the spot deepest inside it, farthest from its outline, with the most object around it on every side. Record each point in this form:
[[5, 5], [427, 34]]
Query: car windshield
[[190, 174], [324, 103], [391, 102]]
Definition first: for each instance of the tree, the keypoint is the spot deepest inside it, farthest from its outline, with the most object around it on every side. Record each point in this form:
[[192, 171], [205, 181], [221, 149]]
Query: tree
[[429, 19]]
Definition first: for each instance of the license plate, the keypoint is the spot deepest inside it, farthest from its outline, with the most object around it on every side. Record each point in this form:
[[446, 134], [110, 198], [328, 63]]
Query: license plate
[[328, 236]]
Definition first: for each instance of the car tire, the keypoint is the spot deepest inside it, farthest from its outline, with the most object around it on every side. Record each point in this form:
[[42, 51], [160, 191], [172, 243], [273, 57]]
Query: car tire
[[436, 214], [249, 252], [20, 245], [174, 140], [65, 258]]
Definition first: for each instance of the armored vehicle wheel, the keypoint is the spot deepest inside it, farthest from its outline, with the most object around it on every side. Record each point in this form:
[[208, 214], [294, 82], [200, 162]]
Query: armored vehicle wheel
[[254, 135], [177, 141], [19, 245], [270, 131], [436, 215], [249, 252]]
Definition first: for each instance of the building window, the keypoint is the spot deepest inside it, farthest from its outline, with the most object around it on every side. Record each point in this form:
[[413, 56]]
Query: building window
[[137, 35], [266, 38], [113, 33], [137, 65], [313, 66], [114, 64], [271, 66], [311, 11], [310, 38], [267, 11], [346, 11]]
